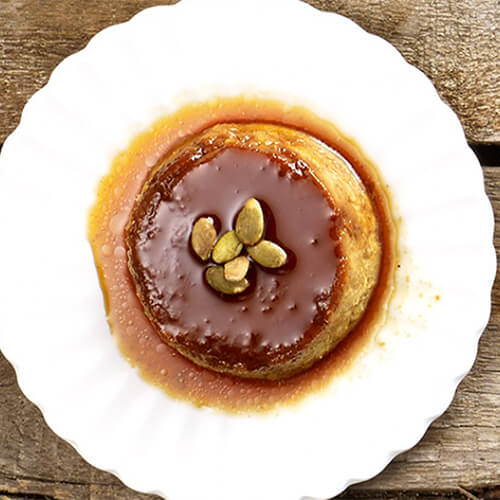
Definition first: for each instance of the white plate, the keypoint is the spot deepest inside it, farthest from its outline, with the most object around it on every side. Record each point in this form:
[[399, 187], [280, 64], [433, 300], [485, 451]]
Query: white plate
[[53, 325]]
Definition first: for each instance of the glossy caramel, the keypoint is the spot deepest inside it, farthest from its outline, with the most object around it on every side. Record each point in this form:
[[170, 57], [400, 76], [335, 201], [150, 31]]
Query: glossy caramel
[[283, 308]]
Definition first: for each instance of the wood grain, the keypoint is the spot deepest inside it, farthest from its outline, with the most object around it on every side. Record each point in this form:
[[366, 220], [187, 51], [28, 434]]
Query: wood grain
[[461, 450], [455, 43]]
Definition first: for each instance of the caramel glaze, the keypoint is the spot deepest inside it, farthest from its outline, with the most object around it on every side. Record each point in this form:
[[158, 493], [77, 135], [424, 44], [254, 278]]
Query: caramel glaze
[[135, 335], [283, 308]]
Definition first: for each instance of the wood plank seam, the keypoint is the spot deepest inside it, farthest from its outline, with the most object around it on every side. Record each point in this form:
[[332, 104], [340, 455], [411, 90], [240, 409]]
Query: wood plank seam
[[487, 153]]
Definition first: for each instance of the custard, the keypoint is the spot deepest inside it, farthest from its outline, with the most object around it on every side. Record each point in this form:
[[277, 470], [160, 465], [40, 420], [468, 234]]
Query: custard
[[316, 209]]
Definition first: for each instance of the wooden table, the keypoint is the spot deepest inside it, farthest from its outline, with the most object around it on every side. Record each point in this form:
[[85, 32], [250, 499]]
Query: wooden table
[[457, 44]]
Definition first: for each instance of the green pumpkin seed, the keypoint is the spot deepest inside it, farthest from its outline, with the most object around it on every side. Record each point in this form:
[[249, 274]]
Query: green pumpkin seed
[[203, 237], [250, 222], [236, 269], [227, 248], [215, 278], [268, 254]]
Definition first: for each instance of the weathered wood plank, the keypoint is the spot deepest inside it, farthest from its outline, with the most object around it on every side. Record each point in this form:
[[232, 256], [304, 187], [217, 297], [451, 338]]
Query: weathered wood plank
[[455, 43], [460, 450]]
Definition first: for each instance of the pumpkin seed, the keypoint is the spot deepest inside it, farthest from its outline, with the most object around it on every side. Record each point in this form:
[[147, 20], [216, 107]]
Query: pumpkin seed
[[227, 248], [215, 278], [250, 222], [203, 237], [268, 254], [236, 269]]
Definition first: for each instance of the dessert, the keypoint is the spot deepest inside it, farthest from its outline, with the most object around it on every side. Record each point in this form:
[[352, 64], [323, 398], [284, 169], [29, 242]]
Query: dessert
[[254, 249], [139, 341]]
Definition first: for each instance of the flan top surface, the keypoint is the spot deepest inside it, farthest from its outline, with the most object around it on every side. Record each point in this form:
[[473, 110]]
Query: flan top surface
[[283, 309]]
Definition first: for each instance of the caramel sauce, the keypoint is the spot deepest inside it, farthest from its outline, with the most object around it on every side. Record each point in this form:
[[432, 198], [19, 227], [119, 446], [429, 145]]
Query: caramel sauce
[[139, 343]]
